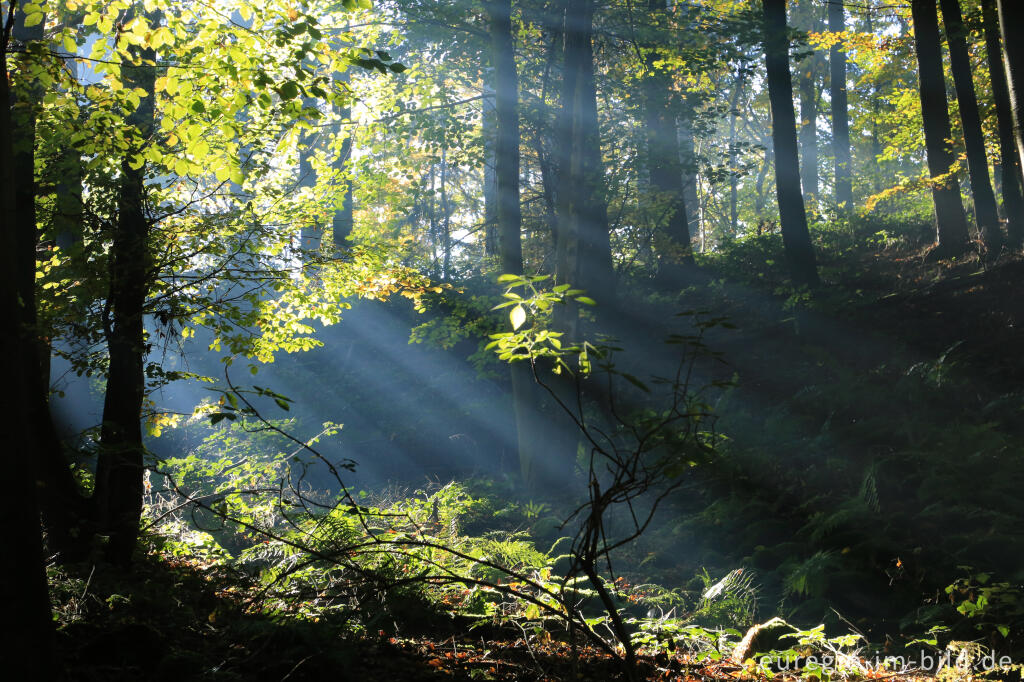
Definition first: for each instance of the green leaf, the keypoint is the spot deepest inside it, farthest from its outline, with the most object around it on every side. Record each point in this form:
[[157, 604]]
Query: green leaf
[[288, 90], [586, 300], [508, 278], [518, 317]]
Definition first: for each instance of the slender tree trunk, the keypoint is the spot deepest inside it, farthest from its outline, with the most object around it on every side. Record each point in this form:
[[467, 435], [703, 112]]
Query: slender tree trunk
[[985, 209], [597, 275], [663, 164], [544, 144], [446, 218], [312, 233], [951, 237], [342, 221], [877, 184], [525, 392], [24, 107], [67, 219], [737, 93], [795, 236], [67, 216], [432, 224], [506, 157], [62, 504], [119, 469], [808, 87], [1010, 161], [760, 196], [583, 252], [688, 159], [488, 124], [840, 114], [28, 648], [1011, 18], [567, 247]]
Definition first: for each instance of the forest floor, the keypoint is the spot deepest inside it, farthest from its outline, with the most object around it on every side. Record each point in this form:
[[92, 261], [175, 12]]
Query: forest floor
[[116, 626]]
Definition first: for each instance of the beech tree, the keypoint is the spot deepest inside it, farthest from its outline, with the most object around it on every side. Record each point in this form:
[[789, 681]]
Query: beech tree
[[796, 237], [663, 159], [119, 469], [27, 650], [1009, 159], [509, 220], [584, 251], [950, 220], [977, 160], [1011, 15], [807, 17], [840, 111]]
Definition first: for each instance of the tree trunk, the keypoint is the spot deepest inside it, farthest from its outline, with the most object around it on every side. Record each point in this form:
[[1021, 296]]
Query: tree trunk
[[986, 212], [63, 505], [840, 114], [808, 88], [311, 235], [119, 469], [525, 392], [596, 274], [877, 183], [688, 159], [1010, 160], [737, 93], [795, 236], [567, 260], [1011, 18], [490, 189], [342, 221], [544, 144], [446, 217], [583, 251], [664, 165], [28, 649], [432, 223], [951, 237]]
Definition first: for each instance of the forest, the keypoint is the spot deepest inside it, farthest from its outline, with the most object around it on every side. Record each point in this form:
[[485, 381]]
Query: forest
[[513, 339]]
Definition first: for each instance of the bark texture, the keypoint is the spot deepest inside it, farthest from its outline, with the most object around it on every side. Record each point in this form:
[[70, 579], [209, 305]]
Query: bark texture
[[119, 468], [664, 165], [1011, 18], [951, 237], [840, 111], [795, 236], [987, 213], [1010, 161], [28, 648]]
